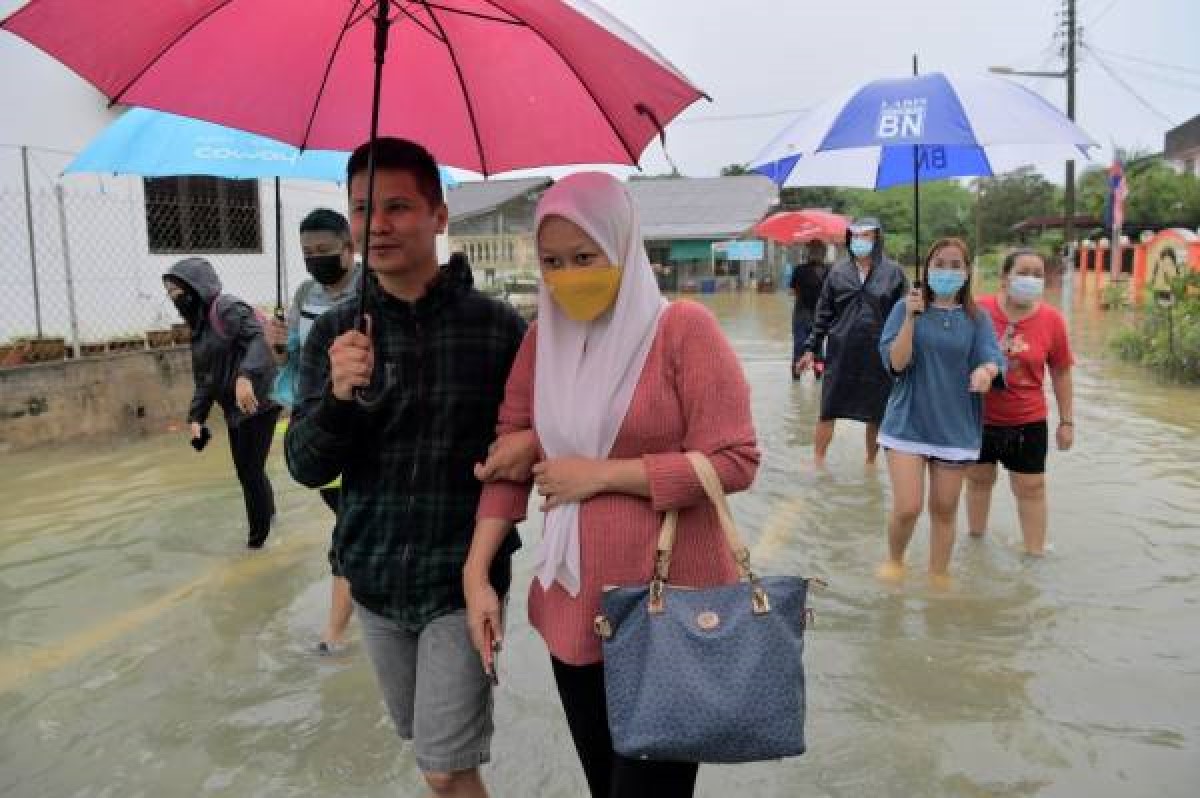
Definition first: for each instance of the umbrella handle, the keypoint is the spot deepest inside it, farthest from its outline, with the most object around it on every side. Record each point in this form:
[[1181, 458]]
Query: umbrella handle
[[363, 397]]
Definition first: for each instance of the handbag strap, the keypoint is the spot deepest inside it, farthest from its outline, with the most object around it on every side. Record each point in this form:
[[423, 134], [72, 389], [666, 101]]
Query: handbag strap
[[715, 492]]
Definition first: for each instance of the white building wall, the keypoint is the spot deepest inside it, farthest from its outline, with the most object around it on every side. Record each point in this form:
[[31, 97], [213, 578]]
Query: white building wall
[[116, 280]]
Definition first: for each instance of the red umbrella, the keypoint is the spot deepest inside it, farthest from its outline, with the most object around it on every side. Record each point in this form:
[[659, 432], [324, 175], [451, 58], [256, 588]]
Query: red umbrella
[[486, 85], [793, 227]]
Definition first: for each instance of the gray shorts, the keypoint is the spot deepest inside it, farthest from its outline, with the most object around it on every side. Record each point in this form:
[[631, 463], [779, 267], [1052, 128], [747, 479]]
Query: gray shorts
[[434, 687]]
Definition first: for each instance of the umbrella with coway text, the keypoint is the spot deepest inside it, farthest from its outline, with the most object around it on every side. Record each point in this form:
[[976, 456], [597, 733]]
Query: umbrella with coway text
[[157, 144]]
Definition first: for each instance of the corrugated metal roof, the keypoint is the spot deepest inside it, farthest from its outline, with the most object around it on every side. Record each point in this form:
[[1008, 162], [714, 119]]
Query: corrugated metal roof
[[474, 197], [702, 207]]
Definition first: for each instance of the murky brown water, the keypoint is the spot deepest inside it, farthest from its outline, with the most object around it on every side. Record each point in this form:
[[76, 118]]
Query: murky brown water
[[144, 654]]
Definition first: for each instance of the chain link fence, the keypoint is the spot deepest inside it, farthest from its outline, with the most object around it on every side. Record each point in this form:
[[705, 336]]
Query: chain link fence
[[82, 256]]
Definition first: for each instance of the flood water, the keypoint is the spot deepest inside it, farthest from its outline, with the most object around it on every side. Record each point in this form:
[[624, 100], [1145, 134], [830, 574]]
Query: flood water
[[144, 653]]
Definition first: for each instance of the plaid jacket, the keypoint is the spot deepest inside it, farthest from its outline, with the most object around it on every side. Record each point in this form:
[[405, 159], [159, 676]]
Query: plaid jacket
[[408, 492]]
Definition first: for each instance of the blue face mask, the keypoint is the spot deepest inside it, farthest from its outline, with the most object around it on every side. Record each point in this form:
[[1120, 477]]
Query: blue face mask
[[946, 282], [861, 247], [1024, 288]]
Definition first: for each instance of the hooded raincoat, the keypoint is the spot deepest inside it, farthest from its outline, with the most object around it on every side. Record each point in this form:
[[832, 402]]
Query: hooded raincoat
[[219, 356], [848, 323]]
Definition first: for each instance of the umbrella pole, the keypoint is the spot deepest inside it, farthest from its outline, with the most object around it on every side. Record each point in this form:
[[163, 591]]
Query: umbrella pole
[[916, 200], [917, 212], [278, 251], [382, 23], [279, 314], [381, 36]]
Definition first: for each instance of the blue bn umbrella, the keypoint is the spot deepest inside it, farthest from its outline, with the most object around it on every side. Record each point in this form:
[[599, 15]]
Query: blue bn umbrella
[[926, 127]]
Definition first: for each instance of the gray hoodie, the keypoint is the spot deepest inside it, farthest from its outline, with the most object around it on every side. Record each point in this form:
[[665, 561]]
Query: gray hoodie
[[238, 348]]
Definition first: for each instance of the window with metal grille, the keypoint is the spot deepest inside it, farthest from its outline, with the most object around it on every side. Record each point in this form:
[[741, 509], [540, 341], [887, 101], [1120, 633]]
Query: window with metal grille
[[190, 215]]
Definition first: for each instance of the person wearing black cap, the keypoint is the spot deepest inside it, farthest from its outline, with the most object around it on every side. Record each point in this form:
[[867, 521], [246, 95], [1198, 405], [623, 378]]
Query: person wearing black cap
[[855, 301]]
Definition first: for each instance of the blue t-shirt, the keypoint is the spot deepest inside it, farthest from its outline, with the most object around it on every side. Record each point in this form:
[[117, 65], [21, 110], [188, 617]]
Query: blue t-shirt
[[931, 410]]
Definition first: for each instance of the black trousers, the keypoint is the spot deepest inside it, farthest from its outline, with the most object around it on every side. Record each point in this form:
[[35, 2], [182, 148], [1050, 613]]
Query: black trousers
[[250, 443], [608, 774]]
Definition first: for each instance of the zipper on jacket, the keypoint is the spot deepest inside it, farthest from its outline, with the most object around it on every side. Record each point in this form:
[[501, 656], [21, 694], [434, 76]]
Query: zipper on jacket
[[420, 376]]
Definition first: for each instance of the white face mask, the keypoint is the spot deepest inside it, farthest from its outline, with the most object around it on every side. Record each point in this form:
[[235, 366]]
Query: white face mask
[[1025, 289], [861, 247]]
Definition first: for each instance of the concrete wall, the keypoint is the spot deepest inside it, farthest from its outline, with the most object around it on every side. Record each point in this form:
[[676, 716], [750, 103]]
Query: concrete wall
[[115, 395]]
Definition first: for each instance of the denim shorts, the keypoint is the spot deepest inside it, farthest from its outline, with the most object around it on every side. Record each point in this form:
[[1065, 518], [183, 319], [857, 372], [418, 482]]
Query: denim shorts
[[434, 687]]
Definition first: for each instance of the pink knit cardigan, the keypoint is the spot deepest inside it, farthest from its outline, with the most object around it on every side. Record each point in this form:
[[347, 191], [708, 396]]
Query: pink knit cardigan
[[692, 395]]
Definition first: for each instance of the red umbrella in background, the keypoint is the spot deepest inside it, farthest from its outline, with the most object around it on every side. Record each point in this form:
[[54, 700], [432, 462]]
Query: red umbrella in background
[[795, 227]]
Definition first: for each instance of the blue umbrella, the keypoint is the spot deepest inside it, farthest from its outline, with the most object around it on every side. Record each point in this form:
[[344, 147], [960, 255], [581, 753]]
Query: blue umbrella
[[926, 127], [158, 144]]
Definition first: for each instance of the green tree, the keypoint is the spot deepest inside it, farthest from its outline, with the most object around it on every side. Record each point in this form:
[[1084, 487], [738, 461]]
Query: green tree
[[1003, 201], [735, 169], [794, 198], [1158, 196], [945, 211]]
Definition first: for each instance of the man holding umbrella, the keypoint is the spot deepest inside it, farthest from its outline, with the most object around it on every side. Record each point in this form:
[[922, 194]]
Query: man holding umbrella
[[433, 360], [855, 302]]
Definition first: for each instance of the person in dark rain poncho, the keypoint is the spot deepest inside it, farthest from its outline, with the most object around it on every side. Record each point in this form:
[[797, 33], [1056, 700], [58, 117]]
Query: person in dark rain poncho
[[855, 302], [233, 368]]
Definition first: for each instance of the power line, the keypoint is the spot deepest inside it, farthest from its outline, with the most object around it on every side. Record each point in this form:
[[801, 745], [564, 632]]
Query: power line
[[1123, 84], [1103, 13], [1161, 80], [1147, 61], [738, 117]]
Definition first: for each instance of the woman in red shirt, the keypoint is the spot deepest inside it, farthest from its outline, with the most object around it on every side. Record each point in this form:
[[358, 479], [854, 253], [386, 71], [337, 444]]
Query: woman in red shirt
[[1033, 336], [616, 385]]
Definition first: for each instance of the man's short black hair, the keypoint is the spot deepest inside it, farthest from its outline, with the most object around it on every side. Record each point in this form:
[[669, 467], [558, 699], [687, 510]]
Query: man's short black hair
[[401, 155], [324, 220]]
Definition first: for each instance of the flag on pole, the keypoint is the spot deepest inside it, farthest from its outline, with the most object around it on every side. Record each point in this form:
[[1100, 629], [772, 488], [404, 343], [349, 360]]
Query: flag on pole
[[1117, 190]]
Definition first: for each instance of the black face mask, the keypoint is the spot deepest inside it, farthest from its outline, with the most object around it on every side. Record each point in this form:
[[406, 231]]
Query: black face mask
[[325, 269], [190, 307]]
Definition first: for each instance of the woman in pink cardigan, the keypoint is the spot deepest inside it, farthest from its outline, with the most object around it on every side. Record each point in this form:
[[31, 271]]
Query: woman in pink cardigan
[[616, 385]]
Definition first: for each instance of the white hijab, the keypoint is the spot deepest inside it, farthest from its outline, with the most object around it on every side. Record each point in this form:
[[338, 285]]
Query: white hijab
[[586, 372]]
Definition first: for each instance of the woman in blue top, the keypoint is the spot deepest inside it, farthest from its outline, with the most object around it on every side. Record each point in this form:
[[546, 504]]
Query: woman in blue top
[[943, 353]]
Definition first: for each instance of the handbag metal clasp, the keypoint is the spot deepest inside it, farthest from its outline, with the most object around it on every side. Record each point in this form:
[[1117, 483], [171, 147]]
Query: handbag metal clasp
[[655, 604], [758, 600], [602, 627]]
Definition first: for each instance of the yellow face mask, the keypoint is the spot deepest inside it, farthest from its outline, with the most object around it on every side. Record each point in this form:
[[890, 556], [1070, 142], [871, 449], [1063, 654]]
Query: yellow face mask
[[583, 294]]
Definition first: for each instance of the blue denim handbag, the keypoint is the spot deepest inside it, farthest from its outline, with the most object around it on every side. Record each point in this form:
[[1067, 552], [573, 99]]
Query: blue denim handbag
[[705, 674]]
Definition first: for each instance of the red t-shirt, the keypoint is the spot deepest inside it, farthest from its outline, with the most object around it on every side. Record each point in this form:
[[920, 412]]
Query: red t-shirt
[[1031, 344]]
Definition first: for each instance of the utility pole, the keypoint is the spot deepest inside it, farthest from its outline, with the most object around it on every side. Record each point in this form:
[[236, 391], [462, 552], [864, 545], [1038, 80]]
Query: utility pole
[[1069, 193], [1070, 45]]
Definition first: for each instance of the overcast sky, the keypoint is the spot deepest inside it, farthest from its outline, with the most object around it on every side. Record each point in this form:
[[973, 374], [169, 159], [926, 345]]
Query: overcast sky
[[761, 56], [758, 57]]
